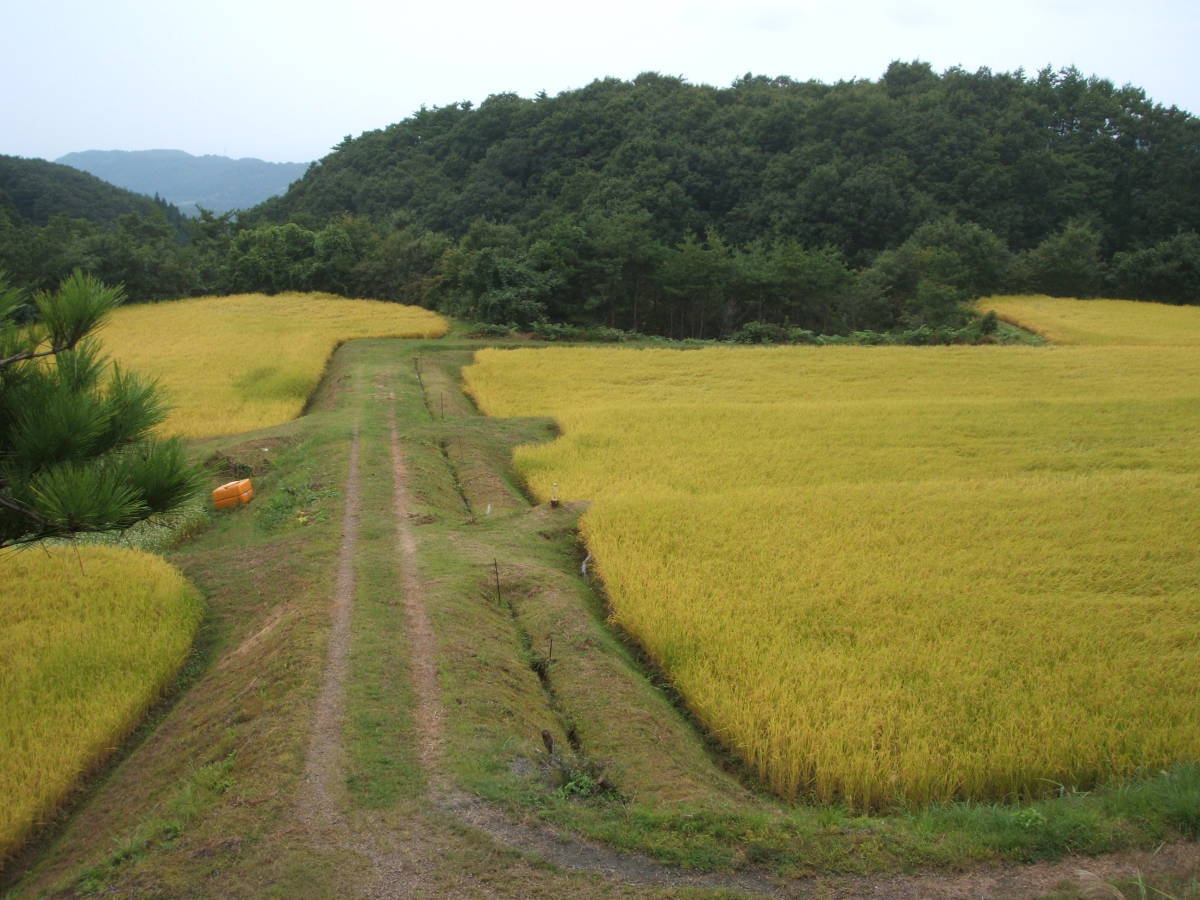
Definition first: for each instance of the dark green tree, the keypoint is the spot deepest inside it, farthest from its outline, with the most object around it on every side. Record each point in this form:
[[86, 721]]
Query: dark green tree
[[809, 287], [848, 206], [976, 260], [76, 446], [1065, 264], [273, 258], [397, 263], [1167, 272], [702, 276]]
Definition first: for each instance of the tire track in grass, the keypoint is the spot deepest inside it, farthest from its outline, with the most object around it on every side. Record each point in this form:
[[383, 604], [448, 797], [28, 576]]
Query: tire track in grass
[[319, 804], [408, 869], [321, 807], [422, 647], [567, 852]]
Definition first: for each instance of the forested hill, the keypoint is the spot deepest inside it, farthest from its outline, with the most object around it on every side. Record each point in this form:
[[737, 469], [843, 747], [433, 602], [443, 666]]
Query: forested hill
[[32, 191], [766, 208], [855, 165], [55, 219], [216, 183]]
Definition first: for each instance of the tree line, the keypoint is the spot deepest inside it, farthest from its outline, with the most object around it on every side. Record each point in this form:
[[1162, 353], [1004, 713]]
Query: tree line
[[658, 206]]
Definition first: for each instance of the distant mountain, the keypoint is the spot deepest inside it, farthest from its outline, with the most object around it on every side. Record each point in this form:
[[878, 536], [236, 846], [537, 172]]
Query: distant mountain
[[33, 190], [217, 183]]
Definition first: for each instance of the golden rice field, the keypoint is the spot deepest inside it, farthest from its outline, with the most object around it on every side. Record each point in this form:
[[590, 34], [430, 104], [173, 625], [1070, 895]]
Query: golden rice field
[[896, 575], [88, 642], [232, 364], [1110, 322]]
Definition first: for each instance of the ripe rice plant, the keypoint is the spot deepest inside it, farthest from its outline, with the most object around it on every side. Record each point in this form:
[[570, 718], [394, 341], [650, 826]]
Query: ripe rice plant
[[1109, 322], [231, 364], [891, 576], [89, 641]]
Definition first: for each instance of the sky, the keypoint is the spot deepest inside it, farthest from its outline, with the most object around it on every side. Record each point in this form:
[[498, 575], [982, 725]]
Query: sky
[[286, 81]]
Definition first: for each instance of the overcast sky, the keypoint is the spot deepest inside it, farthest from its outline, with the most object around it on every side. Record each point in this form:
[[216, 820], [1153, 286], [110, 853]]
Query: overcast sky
[[285, 81]]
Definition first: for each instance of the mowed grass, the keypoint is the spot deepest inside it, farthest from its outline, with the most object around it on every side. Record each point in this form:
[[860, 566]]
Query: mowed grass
[[88, 641], [233, 364], [891, 576]]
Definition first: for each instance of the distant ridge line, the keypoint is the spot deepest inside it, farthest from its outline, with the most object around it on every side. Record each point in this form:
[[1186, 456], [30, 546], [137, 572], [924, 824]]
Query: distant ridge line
[[214, 182]]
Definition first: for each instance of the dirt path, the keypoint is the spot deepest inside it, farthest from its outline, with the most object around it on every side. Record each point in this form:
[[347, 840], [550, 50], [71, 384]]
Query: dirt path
[[318, 804], [563, 851], [422, 647], [408, 865], [321, 820]]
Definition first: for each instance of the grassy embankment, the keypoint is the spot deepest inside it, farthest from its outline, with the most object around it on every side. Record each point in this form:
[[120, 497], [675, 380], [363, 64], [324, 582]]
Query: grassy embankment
[[896, 576]]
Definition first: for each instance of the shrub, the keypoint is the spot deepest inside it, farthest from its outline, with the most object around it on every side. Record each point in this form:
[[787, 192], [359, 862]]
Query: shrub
[[1168, 272], [554, 331], [760, 333], [802, 336], [604, 334], [489, 329]]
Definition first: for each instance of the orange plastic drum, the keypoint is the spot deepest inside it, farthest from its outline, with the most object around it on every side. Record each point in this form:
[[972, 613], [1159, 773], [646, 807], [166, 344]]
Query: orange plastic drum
[[233, 493]]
